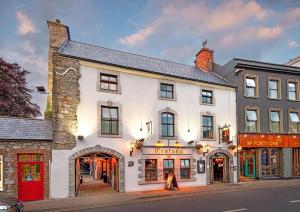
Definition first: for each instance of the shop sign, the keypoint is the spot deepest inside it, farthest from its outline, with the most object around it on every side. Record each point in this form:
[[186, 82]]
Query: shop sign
[[225, 135], [130, 163], [255, 140], [167, 150]]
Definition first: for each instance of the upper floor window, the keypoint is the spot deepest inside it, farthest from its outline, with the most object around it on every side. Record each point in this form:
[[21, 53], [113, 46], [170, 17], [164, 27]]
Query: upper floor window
[[185, 168], [167, 124], [207, 127], [274, 89], [109, 120], [108, 82], [207, 97], [166, 91], [150, 169], [275, 121], [251, 86], [251, 121], [292, 91], [294, 122]]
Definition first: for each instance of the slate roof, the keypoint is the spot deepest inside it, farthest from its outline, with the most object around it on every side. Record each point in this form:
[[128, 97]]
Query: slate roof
[[138, 62], [25, 129]]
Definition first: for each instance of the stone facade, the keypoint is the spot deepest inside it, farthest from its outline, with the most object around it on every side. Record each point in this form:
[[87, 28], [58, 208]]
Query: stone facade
[[10, 150], [65, 99]]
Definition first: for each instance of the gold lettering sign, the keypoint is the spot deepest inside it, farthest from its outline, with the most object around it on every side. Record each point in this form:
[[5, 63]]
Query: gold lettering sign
[[167, 151]]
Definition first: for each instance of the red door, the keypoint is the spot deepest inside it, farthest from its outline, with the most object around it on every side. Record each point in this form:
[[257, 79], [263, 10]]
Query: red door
[[30, 177]]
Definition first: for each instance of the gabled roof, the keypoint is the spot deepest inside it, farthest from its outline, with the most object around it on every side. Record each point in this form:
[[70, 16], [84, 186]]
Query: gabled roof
[[12, 128], [293, 61], [107, 56]]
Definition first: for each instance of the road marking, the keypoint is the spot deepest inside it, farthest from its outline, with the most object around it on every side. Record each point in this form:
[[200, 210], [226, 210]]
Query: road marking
[[235, 210], [293, 201]]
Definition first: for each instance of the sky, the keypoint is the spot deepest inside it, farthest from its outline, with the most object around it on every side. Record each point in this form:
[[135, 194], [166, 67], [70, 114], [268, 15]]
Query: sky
[[266, 30]]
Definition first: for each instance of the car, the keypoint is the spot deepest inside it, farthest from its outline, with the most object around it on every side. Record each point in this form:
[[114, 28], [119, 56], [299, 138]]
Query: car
[[11, 204]]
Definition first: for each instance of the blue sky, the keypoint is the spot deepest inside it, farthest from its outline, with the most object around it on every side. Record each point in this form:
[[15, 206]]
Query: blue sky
[[266, 30]]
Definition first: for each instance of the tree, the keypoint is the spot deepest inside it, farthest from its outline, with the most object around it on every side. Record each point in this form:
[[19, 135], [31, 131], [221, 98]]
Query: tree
[[15, 97]]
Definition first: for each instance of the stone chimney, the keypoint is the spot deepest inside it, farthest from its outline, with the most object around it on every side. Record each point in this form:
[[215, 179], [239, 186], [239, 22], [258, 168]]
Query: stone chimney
[[204, 59], [58, 35]]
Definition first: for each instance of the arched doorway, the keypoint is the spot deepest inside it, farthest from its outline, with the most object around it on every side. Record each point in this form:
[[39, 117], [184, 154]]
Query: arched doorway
[[220, 162], [96, 168]]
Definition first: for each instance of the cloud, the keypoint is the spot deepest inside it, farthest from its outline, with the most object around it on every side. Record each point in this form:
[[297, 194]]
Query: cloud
[[292, 15], [293, 44], [140, 36], [178, 53], [25, 24]]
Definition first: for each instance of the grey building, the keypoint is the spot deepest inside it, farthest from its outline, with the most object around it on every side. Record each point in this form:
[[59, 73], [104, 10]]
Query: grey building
[[268, 113]]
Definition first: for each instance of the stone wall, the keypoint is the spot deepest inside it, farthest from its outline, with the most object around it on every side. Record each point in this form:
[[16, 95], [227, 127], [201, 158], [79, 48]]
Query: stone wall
[[10, 150], [65, 100]]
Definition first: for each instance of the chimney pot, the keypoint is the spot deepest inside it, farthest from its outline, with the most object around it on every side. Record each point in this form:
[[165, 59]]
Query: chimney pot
[[57, 21], [204, 59]]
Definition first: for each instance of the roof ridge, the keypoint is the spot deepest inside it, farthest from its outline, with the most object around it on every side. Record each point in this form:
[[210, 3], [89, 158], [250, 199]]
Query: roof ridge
[[133, 54], [293, 60]]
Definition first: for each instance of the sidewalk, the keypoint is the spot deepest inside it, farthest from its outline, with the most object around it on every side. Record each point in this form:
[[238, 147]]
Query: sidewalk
[[112, 199]]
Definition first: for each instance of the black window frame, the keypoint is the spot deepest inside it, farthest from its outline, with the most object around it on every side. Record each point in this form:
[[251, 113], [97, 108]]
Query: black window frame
[[208, 127], [151, 170], [109, 82], [168, 170], [185, 172], [205, 97], [110, 121], [164, 92], [168, 124]]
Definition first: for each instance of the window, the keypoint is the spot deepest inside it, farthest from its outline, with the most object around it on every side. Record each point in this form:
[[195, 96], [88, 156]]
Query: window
[[150, 169], [207, 97], [251, 121], [1, 172], [168, 166], [207, 125], [292, 91], [294, 122], [167, 124], [166, 91], [185, 168], [109, 120], [108, 82], [275, 121], [270, 162], [273, 89], [251, 87]]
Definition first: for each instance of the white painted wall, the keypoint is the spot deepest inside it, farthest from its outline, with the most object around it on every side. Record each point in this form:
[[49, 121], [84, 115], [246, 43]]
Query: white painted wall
[[139, 99]]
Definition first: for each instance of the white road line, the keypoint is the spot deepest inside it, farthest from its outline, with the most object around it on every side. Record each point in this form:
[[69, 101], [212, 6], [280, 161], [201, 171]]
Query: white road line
[[235, 210], [293, 201]]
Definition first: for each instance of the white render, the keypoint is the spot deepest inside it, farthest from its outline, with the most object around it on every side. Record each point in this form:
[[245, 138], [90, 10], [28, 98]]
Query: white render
[[140, 103]]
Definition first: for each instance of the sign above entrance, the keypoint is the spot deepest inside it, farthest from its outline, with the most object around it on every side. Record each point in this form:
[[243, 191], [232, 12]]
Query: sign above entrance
[[157, 150], [256, 140]]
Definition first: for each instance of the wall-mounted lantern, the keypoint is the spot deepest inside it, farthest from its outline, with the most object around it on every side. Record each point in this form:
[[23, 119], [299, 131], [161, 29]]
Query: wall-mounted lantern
[[132, 147], [206, 149], [80, 137]]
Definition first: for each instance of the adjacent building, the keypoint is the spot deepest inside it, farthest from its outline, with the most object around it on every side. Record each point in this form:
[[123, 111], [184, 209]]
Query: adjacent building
[[124, 122], [268, 118]]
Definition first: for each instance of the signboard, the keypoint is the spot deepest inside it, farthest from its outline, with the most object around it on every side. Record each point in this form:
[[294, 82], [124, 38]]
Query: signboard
[[256, 140], [200, 166], [156, 150], [225, 135], [130, 163]]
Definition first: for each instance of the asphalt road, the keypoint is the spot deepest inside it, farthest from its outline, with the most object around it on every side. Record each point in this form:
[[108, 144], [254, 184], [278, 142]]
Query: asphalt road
[[283, 199]]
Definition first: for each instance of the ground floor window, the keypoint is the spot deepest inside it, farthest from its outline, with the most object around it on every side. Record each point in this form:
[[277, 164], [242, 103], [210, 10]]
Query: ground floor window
[[248, 163], [150, 169], [296, 162], [270, 162], [1, 172], [185, 168], [168, 167]]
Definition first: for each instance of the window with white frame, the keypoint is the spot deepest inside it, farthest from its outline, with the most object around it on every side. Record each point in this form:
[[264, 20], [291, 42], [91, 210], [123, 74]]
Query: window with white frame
[[292, 91], [274, 89], [251, 87], [294, 122], [1, 172], [251, 120], [275, 121]]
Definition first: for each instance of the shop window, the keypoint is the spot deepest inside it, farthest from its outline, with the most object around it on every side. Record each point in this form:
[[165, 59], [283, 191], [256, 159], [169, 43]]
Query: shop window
[[168, 167], [207, 97], [292, 91], [207, 126], [166, 91], [108, 82], [150, 169], [294, 122], [185, 168], [251, 121], [251, 89], [1, 172], [167, 124], [274, 89], [109, 120], [296, 161], [270, 162], [275, 121]]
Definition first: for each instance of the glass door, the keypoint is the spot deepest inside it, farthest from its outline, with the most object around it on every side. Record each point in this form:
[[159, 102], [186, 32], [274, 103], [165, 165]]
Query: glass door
[[296, 162], [270, 162]]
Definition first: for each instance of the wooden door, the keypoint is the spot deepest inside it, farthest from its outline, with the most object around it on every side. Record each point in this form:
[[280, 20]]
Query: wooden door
[[30, 177], [225, 170]]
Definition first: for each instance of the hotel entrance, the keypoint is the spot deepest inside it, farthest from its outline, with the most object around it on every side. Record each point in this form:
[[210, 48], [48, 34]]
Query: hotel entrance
[[96, 173], [219, 164]]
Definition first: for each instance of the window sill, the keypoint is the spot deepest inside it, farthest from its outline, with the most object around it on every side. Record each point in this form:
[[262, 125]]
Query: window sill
[[168, 138], [109, 136], [292, 100], [208, 139], [109, 91], [278, 99], [212, 104], [167, 99], [252, 97]]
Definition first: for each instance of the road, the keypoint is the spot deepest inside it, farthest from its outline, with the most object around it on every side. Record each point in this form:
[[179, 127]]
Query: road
[[283, 199]]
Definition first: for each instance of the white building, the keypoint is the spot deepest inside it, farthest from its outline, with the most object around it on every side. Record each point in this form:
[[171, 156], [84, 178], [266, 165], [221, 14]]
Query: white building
[[138, 119]]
